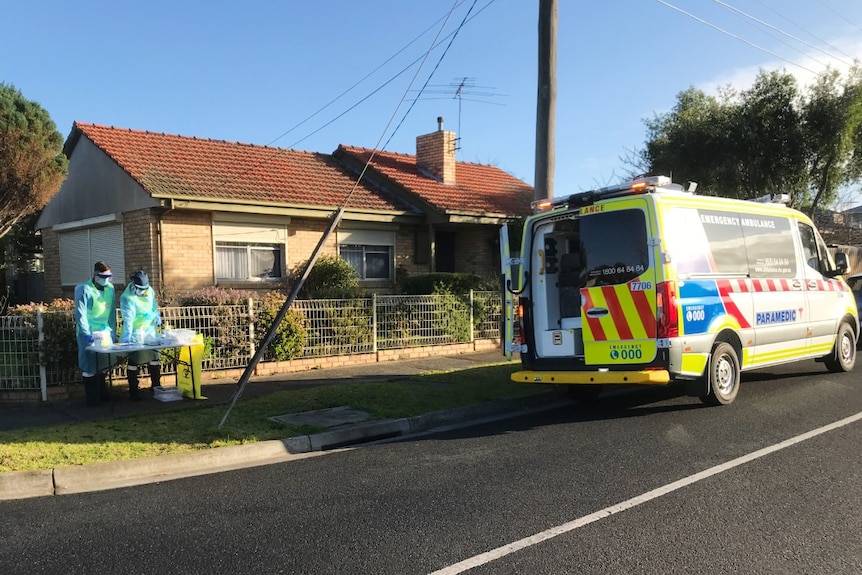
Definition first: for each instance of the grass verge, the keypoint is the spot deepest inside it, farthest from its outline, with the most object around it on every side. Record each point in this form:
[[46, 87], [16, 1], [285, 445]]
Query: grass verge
[[196, 428]]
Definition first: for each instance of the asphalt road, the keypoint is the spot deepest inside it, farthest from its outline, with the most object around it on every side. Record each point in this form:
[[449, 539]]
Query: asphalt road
[[650, 482]]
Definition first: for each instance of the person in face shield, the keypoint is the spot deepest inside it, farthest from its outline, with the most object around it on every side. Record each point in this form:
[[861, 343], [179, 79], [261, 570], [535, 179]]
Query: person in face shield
[[141, 318], [94, 312]]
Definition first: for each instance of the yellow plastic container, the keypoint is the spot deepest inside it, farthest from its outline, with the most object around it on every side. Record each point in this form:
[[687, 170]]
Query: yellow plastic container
[[189, 368]]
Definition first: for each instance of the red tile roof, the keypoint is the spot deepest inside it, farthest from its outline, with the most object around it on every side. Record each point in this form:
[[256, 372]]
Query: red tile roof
[[181, 166], [479, 189]]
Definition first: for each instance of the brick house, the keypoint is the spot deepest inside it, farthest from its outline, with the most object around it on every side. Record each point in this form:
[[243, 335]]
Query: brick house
[[196, 212]]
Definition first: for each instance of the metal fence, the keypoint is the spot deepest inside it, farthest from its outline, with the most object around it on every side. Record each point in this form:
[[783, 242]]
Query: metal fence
[[38, 349]]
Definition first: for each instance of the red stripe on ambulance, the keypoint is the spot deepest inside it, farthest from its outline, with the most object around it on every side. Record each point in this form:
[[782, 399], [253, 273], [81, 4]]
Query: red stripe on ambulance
[[617, 314], [646, 313], [593, 322], [725, 289]]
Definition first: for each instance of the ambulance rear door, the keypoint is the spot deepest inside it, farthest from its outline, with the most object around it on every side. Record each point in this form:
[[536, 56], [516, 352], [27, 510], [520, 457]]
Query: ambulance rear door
[[618, 302]]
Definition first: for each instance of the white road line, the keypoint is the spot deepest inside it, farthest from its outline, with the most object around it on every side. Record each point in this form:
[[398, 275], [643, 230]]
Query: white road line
[[494, 554]]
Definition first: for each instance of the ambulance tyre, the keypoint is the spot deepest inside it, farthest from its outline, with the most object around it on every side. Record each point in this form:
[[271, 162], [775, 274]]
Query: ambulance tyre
[[722, 379], [843, 356]]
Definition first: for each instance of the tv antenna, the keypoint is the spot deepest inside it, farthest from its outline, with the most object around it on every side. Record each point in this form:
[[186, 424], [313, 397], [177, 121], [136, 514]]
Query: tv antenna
[[463, 89]]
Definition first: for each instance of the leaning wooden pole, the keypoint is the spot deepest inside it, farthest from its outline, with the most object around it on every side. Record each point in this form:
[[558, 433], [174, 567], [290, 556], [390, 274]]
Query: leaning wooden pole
[[270, 334]]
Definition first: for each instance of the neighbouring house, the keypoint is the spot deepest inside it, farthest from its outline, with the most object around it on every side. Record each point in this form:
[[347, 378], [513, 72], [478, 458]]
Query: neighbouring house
[[197, 212]]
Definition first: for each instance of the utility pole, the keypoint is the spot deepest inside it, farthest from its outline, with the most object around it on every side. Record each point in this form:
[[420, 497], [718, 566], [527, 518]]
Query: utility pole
[[546, 100]]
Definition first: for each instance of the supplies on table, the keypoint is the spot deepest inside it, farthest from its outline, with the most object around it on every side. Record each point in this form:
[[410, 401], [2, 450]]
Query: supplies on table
[[178, 336], [167, 393], [102, 338]]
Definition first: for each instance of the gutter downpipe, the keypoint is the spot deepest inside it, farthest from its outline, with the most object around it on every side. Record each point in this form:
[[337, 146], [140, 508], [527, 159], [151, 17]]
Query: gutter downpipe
[[169, 203]]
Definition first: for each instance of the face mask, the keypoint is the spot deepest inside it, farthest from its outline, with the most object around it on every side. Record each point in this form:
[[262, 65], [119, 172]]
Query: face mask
[[103, 281]]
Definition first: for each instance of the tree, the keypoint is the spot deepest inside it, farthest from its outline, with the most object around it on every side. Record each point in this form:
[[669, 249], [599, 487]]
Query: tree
[[832, 117], [771, 139], [689, 142], [768, 139], [32, 164]]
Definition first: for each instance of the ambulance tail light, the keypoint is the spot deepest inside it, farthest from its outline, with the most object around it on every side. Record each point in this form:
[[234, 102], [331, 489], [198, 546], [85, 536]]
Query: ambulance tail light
[[666, 313], [522, 332]]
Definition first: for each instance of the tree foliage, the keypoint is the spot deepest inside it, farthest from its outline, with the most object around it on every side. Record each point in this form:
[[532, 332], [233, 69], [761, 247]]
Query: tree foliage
[[771, 138], [331, 278], [32, 165]]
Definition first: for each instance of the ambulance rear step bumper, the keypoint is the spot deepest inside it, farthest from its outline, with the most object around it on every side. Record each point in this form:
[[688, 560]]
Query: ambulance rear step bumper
[[645, 377]]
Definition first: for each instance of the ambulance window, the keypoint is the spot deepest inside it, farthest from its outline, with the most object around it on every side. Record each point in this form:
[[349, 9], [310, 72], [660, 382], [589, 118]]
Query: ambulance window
[[615, 244], [726, 243], [769, 243], [686, 241], [813, 250]]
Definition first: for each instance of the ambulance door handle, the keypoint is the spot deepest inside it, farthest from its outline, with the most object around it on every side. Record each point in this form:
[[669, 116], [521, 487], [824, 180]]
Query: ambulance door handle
[[812, 284], [796, 284], [597, 312]]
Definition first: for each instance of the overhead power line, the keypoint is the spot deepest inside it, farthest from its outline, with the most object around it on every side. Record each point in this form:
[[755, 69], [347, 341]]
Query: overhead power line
[[333, 223], [732, 35], [431, 75], [780, 31], [840, 15], [821, 40]]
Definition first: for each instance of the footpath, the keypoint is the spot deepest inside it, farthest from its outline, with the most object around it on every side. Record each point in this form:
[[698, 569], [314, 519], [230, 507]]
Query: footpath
[[337, 435]]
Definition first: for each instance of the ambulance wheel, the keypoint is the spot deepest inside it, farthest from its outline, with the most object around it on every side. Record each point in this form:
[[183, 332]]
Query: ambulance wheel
[[722, 379], [843, 356]]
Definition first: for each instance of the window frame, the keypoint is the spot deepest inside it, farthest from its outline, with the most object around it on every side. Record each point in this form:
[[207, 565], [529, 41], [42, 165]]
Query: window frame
[[371, 242], [364, 251], [248, 248]]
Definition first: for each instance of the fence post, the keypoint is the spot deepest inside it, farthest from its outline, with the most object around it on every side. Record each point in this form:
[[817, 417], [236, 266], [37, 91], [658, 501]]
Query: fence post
[[250, 303], [43, 375], [472, 334], [374, 323]]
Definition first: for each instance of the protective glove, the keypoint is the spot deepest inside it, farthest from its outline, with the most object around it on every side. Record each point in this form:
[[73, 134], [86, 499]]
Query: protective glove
[[126, 339], [158, 321], [90, 338]]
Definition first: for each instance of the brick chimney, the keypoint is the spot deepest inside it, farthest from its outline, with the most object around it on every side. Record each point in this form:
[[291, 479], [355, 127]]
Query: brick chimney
[[435, 154]]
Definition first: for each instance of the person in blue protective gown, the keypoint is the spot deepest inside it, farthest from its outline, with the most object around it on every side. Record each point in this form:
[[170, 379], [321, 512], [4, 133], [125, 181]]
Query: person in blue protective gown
[[94, 312], [141, 319]]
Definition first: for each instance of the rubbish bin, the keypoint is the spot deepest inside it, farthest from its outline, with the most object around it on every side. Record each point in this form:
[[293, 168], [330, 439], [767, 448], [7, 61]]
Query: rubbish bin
[[189, 368]]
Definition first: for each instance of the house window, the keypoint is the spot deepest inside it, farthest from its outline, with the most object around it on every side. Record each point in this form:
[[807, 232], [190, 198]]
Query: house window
[[248, 261], [370, 262], [370, 252]]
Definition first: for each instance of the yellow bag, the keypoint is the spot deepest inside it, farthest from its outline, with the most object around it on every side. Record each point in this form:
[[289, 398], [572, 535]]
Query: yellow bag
[[189, 368]]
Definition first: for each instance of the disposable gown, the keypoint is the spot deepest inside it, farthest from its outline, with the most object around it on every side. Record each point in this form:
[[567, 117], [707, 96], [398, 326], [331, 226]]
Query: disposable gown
[[94, 311]]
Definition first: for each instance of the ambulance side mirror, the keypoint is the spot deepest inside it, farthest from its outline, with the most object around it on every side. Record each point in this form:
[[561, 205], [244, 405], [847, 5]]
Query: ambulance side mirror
[[841, 265]]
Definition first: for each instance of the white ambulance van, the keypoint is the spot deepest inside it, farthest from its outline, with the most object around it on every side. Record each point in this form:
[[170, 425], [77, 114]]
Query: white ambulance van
[[647, 283]]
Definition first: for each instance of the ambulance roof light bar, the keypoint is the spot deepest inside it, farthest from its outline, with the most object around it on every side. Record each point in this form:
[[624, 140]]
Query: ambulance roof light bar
[[773, 199], [638, 186]]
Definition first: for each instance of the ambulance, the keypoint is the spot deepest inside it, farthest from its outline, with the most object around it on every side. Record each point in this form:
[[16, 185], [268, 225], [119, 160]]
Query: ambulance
[[647, 283]]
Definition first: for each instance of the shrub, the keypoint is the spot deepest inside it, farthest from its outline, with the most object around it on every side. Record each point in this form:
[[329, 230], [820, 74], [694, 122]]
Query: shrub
[[331, 278], [215, 296], [452, 287], [227, 328], [59, 349], [452, 317], [443, 282], [290, 336]]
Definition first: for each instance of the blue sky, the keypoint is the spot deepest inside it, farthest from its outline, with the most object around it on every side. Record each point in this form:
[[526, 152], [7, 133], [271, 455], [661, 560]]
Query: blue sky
[[267, 71]]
